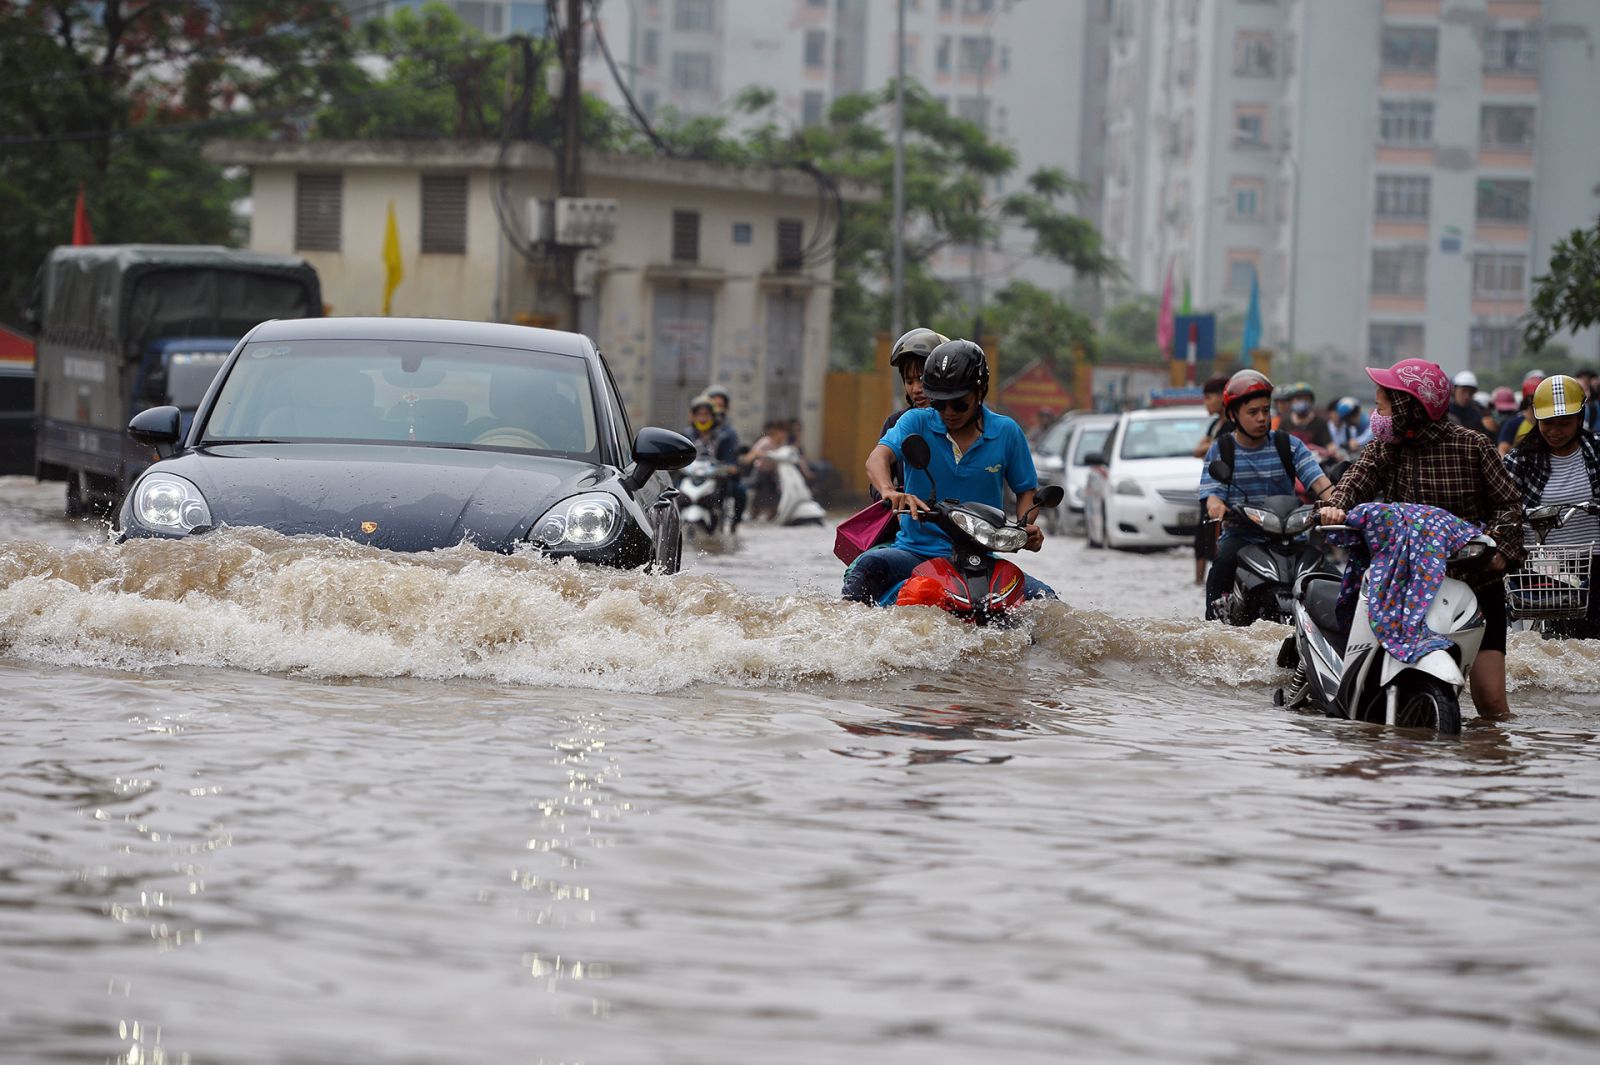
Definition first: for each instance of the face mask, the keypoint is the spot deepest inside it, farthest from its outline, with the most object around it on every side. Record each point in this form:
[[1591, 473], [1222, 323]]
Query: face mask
[[1301, 406], [703, 422], [1382, 426]]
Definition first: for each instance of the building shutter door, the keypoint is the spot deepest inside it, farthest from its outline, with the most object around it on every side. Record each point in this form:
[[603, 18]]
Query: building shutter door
[[680, 352], [444, 214], [786, 345]]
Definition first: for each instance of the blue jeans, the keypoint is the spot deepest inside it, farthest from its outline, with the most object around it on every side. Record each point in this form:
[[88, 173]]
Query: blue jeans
[[881, 570]]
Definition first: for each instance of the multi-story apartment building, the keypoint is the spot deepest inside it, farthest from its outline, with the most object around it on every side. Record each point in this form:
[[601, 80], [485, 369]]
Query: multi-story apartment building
[[1394, 171], [1016, 68]]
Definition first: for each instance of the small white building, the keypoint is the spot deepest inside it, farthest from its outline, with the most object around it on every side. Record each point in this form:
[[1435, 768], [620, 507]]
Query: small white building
[[715, 275]]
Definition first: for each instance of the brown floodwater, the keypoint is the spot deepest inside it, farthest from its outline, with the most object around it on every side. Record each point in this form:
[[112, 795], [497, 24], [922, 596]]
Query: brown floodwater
[[271, 800]]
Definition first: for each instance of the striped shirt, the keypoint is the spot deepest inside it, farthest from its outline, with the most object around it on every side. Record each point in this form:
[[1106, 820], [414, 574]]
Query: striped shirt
[[1569, 483], [1258, 471]]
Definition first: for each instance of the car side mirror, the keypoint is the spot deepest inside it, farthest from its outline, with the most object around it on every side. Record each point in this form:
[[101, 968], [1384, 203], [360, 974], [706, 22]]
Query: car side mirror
[[657, 449], [1220, 471], [916, 451], [157, 427], [1094, 458]]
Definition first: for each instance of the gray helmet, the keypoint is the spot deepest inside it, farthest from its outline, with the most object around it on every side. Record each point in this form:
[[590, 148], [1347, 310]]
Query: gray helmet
[[914, 343]]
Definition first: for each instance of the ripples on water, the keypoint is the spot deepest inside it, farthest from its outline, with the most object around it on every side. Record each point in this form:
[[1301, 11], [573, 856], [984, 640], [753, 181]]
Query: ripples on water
[[269, 799]]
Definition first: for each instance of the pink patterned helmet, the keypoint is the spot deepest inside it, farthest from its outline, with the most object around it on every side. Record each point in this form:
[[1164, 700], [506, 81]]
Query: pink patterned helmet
[[1419, 378]]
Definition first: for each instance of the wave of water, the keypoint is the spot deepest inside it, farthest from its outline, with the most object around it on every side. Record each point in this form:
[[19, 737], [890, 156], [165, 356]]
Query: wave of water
[[255, 600]]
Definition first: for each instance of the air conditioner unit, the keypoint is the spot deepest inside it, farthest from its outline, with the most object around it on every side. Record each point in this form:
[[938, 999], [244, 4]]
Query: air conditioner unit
[[573, 221]]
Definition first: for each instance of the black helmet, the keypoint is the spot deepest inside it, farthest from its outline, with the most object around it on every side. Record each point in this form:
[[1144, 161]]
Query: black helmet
[[955, 368], [914, 343]]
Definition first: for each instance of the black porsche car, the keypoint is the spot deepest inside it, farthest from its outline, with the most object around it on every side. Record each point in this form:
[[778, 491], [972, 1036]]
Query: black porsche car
[[415, 434]]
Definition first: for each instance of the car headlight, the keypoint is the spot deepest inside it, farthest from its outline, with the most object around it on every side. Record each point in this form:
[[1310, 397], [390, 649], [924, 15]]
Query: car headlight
[[1006, 538], [581, 521], [1129, 488], [167, 501]]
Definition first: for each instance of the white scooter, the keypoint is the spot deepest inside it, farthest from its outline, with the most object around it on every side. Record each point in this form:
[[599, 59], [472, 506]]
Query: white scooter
[[795, 504], [705, 503], [1355, 678]]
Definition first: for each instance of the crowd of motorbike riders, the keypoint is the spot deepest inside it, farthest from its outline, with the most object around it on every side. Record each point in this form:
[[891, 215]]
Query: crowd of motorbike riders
[[1485, 458]]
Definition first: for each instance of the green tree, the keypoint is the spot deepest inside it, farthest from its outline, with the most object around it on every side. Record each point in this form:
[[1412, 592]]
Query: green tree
[[1568, 297], [117, 95], [1128, 332]]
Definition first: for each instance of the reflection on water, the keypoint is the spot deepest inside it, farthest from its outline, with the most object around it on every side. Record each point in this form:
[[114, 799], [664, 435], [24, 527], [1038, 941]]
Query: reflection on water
[[275, 800]]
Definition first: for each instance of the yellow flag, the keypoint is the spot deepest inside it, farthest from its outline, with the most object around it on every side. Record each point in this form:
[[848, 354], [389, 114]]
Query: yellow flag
[[393, 271]]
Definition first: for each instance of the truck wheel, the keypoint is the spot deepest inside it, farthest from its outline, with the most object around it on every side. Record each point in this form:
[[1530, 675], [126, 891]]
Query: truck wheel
[[76, 506]]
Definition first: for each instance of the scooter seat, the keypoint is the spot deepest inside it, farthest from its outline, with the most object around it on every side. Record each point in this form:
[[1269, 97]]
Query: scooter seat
[[1320, 594]]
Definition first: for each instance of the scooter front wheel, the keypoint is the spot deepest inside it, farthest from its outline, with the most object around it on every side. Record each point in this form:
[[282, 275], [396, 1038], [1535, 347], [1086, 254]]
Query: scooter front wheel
[[1428, 703]]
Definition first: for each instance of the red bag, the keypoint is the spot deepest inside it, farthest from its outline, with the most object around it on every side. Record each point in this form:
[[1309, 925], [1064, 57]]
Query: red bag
[[866, 528]]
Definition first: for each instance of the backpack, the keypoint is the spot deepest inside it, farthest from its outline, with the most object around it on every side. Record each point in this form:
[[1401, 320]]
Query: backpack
[[1226, 446]]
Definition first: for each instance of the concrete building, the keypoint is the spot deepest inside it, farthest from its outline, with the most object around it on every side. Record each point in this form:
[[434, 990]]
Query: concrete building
[[1395, 171], [710, 277]]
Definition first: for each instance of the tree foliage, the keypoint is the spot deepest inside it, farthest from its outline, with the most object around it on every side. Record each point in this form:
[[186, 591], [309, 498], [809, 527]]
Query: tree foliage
[[1568, 297], [117, 94]]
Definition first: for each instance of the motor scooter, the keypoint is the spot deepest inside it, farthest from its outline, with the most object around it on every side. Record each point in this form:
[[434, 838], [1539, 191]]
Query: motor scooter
[[1351, 675], [971, 583], [705, 505], [795, 505], [1263, 583], [1552, 588]]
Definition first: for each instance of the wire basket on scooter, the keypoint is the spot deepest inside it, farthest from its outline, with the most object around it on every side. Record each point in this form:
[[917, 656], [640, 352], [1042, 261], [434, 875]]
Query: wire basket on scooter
[[1553, 583]]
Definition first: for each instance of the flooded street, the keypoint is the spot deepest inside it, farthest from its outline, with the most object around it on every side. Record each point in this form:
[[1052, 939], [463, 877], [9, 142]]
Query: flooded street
[[279, 800]]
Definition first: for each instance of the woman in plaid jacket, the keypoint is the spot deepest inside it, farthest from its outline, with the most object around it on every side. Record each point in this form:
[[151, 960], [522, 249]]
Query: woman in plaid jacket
[[1417, 455]]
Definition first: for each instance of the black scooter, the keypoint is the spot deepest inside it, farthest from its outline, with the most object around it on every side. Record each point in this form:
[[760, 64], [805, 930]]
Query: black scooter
[[1263, 584]]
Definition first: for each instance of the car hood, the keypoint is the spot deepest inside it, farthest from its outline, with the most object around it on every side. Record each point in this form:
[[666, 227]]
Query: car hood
[[400, 498]]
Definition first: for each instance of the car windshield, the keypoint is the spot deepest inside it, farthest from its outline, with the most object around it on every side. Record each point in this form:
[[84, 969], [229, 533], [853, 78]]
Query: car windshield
[[1090, 441], [1161, 438], [407, 392], [1054, 440]]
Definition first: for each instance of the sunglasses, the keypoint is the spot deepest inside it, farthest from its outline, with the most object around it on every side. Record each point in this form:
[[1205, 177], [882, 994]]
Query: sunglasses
[[960, 406]]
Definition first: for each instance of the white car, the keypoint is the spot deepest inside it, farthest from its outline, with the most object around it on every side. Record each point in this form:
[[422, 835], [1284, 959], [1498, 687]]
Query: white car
[[1049, 452], [1144, 491], [1088, 437]]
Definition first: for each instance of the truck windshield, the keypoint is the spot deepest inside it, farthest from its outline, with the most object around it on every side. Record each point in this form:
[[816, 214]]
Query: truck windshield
[[189, 374], [407, 392]]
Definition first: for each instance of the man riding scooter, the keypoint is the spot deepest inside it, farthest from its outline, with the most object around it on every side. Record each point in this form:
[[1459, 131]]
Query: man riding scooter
[[975, 453], [1265, 462]]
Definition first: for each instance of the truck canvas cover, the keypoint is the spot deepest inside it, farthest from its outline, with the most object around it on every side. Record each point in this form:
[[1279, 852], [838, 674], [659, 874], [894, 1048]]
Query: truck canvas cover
[[140, 292]]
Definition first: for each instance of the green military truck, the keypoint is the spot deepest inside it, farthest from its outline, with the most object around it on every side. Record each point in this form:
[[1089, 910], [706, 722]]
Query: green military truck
[[124, 327]]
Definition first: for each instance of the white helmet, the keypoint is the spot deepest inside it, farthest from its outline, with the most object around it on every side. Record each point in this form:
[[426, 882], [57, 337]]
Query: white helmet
[[1465, 379], [1482, 398]]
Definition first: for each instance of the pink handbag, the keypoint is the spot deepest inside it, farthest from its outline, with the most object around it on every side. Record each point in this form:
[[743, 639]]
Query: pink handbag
[[866, 528]]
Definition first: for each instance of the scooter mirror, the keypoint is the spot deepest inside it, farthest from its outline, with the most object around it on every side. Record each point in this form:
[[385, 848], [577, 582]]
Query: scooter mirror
[[1220, 471], [1050, 495], [916, 452]]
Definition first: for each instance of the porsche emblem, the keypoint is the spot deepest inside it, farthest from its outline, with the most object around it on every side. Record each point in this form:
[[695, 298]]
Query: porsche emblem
[[369, 527]]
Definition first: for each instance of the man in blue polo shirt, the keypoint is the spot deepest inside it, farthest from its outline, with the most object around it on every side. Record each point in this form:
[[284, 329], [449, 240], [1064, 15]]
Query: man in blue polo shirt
[[975, 454], [1264, 463]]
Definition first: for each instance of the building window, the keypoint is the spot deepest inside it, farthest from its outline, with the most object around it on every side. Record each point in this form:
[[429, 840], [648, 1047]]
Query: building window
[[685, 236], [648, 104], [812, 104], [946, 6], [318, 211], [1503, 202], [976, 7], [975, 54], [1249, 125], [1489, 347], [529, 17], [691, 71], [1387, 344], [651, 48], [973, 109], [695, 15], [444, 214], [816, 49], [1400, 271], [1406, 123], [1497, 276], [1505, 128], [791, 252], [941, 55], [743, 233], [1252, 54], [1403, 197], [1241, 271], [1246, 195], [1411, 49], [1510, 52]]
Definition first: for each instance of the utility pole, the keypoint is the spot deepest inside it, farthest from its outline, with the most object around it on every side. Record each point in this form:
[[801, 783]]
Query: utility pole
[[897, 315], [571, 163]]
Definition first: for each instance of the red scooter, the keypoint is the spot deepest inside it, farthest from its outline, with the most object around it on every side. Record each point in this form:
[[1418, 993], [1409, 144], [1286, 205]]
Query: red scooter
[[971, 583]]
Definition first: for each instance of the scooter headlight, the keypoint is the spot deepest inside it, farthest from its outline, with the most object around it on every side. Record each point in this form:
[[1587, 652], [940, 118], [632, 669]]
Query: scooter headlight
[[1264, 518], [168, 502], [1006, 538], [581, 521], [1300, 521]]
